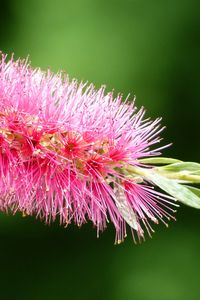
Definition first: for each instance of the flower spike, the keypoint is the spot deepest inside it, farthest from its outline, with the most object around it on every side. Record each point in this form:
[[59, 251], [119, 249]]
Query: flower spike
[[71, 152]]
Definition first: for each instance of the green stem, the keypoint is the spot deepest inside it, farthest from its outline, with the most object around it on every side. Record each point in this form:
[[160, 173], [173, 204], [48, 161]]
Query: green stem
[[179, 176]]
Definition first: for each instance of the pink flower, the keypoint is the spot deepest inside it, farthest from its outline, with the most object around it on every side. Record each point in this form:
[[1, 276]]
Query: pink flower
[[64, 148]]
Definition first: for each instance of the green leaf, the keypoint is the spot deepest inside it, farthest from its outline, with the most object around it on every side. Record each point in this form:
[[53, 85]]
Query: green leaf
[[190, 167], [194, 190], [125, 209], [182, 171], [196, 172], [159, 160], [180, 192]]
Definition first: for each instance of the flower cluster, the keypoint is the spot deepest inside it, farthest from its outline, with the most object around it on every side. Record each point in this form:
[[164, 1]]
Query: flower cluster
[[64, 152]]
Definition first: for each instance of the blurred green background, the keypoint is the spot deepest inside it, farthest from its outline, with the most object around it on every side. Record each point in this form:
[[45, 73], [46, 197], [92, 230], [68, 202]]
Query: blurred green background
[[146, 48]]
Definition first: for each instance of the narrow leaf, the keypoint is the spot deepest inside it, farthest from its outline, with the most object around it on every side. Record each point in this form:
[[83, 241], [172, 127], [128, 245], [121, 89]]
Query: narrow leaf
[[194, 190], [190, 167], [159, 160], [125, 210], [178, 191]]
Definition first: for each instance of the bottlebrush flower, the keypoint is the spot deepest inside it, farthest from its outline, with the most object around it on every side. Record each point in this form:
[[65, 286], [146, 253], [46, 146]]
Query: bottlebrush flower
[[64, 152]]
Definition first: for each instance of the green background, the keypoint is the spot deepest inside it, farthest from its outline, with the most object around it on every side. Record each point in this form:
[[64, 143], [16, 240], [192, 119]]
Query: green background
[[146, 48]]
